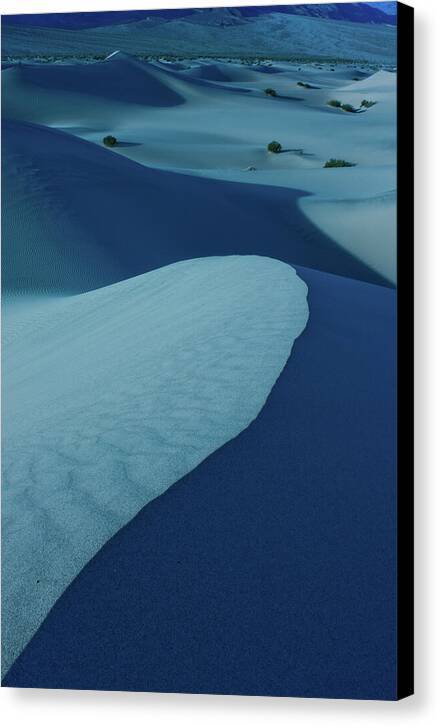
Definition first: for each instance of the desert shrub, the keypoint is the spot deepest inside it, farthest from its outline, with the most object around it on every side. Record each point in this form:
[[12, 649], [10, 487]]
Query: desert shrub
[[334, 103], [274, 146], [303, 84], [270, 92], [335, 163], [109, 140], [347, 107], [367, 104]]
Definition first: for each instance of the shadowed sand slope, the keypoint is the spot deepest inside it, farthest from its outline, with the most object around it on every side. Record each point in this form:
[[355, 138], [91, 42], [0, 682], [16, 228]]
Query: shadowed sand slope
[[129, 360], [214, 120], [114, 395], [269, 569], [120, 78], [78, 216], [209, 72]]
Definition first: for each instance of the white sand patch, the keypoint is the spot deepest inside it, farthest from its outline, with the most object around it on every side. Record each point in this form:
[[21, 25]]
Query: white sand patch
[[382, 82], [364, 227], [113, 395]]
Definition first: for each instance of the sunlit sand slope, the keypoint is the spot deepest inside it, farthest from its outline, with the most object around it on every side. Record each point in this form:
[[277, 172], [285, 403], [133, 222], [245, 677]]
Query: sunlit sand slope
[[113, 395]]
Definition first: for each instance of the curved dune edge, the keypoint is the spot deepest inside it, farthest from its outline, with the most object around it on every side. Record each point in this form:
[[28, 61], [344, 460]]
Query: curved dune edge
[[65, 236], [373, 220], [151, 612], [114, 395]]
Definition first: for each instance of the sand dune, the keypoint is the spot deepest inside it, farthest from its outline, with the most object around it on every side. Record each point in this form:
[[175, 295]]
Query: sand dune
[[114, 395], [208, 72], [81, 216], [64, 93], [379, 87], [365, 227], [50, 245], [119, 78], [171, 65], [229, 72], [122, 369], [152, 610], [379, 82], [60, 95]]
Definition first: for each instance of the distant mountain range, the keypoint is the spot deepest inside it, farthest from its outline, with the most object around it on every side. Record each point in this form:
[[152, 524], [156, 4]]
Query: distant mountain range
[[276, 32], [389, 7], [378, 13]]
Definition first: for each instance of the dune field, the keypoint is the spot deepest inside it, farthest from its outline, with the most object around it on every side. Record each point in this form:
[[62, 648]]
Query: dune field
[[198, 360]]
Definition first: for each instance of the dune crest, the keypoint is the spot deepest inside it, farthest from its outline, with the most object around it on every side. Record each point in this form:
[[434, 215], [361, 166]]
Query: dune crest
[[374, 221], [147, 378], [98, 218]]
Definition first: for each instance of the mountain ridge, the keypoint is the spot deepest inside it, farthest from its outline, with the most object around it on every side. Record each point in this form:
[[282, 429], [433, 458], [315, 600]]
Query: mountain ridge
[[222, 17]]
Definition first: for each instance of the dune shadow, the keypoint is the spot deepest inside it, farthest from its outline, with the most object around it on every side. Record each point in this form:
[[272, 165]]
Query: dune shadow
[[176, 563], [207, 82], [223, 85], [242, 218], [289, 98], [267, 69], [113, 81], [123, 144], [296, 152], [234, 89], [222, 506]]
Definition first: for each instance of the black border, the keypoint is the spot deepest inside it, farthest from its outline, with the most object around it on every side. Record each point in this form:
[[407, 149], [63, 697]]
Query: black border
[[405, 337]]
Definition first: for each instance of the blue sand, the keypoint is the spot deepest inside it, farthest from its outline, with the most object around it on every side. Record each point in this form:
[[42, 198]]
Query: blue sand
[[138, 86], [270, 568], [115, 395], [226, 218]]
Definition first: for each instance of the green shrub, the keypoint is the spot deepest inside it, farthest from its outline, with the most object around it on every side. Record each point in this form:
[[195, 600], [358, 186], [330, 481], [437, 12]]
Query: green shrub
[[304, 85], [109, 140], [367, 104], [335, 163], [270, 92], [334, 103], [274, 146], [347, 107]]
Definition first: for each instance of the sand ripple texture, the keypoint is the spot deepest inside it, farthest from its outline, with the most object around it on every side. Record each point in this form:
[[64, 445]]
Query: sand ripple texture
[[113, 395]]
